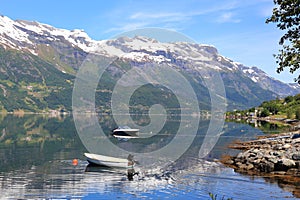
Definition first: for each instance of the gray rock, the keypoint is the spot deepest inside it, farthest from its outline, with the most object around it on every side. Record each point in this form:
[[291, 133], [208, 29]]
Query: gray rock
[[277, 147], [266, 146], [256, 151], [273, 160], [292, 171], [296, 156], [286, 146], [279, 172], [243, 166], [229, 162], [257, 161], [240, 155], [278, 156], [251, 155], [296, 141], [284, 164], [266, 167], [288, 162], [251, 160], [288, 140], [260, 155], [250, 166]]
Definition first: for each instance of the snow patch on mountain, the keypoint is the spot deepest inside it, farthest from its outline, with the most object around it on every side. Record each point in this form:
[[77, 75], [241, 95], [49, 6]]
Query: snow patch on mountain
[[21, 35], [143, 57], [25, 35], [13, 33]]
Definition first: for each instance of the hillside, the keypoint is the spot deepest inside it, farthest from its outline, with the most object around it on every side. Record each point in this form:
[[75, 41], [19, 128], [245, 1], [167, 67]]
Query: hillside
[[39, 62], [278, 109], [29, 83]]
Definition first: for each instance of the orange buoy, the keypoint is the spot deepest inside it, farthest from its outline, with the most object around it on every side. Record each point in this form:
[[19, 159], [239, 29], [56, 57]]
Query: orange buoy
[[75, 162]]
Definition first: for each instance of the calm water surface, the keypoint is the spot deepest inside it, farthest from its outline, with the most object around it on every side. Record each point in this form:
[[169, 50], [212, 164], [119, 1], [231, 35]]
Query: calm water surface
[[36, 154]]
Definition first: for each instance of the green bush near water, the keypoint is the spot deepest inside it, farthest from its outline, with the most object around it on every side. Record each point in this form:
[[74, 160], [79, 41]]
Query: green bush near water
[[214, 197], [288, 107]]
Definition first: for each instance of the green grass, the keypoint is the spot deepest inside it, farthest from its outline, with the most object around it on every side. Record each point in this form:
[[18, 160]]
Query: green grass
[[215, 197]]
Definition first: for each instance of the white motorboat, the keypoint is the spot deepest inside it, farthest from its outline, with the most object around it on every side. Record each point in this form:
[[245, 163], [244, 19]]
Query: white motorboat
[[108, 161], [125, 137], [125, 132]]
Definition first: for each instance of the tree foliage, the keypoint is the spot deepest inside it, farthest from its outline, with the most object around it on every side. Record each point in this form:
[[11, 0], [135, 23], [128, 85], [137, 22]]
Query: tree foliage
[[272, 106], [289, 107], [286, 14], [265, 113], [298, 114], [288, 99], [289, 114]]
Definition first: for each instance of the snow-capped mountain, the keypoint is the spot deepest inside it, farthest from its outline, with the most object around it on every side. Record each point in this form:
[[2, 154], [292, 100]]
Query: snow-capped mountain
[[270, 83], [66, 49], [22, 35]]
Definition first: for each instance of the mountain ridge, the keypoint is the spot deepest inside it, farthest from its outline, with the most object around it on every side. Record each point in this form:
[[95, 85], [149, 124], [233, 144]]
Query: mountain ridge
[[65, 50]]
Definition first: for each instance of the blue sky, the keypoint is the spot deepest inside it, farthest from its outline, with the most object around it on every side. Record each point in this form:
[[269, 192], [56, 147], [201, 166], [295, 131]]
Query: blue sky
[[235, 27]]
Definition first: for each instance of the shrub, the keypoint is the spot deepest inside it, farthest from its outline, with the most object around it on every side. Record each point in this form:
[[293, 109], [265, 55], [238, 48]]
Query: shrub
[[289, 114], [265, 113]]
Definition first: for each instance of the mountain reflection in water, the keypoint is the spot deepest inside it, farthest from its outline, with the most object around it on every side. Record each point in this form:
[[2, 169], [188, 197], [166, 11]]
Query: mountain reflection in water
[[36, 156]]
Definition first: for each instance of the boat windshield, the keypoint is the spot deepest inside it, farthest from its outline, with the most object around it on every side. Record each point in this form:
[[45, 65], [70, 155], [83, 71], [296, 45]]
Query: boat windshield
[[124, 127]]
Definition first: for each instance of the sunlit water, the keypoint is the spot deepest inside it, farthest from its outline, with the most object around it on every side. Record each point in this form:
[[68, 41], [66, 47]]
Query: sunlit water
[[41, 167]]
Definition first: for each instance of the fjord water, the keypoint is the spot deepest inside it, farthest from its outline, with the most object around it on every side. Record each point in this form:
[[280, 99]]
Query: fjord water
[[36, 154]]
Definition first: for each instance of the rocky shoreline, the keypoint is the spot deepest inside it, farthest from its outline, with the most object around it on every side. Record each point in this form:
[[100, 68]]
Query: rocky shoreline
[[276, 158], [276, 154]]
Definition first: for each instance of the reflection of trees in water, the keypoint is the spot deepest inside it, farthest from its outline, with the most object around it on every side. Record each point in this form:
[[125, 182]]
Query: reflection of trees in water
[[46, 168], [34, 139], [34, 129], [265, 126]]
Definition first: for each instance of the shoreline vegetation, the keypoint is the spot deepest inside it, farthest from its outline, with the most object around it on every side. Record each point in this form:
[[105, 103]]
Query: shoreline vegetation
[[287, 108], [275, 157], [21, 113]]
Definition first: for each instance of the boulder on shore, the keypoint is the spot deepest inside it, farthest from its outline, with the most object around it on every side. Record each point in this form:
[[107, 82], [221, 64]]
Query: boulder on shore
[[279, 154]]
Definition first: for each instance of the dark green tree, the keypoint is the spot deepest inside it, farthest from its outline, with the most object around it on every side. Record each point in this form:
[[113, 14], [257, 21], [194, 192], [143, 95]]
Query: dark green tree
[[298, 113], [265, 113], [286, 14], [289, 114], [272, 106], [297, 97], [288, 99]]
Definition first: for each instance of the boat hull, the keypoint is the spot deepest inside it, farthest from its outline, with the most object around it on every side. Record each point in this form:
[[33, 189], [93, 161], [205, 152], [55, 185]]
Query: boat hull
[[107, 161], [125, 132]]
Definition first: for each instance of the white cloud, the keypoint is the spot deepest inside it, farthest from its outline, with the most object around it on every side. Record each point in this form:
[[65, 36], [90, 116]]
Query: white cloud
[[127, 27], [228, 17], [183, 15], [176, 17], [143, 19], [143, 15]]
